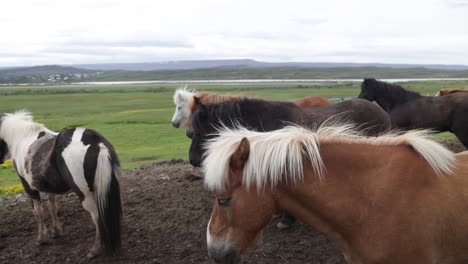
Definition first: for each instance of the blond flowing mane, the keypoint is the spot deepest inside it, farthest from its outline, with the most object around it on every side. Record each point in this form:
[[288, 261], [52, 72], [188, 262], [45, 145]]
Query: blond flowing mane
[[278, 155]]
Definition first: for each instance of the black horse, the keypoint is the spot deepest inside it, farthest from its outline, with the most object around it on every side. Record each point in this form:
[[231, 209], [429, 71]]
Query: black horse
[[262, 115], [410, 110]]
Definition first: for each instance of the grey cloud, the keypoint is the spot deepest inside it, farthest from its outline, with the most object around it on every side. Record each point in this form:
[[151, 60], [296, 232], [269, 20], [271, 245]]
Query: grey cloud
[[310, 21], [134, 43], [96, 51], [105, 48], [457, 3], [4, 55]]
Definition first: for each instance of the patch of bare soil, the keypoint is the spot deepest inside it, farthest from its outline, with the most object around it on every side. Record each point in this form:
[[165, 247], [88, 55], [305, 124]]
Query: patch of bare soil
[[453, 144], [166, 210]]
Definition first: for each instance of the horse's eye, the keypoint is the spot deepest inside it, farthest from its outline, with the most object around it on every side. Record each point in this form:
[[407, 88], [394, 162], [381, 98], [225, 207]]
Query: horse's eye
[[179, 107], [224, 202]]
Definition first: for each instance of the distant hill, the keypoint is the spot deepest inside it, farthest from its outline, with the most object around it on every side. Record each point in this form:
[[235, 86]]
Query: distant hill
[[44, 74], [248, 63], [42, 70], [221, 69], [239, 73]]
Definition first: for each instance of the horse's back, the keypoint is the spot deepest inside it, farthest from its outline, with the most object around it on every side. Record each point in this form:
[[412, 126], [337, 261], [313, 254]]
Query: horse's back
[[368, 115], [312, 101], [77, 154], [447, 91], [42, 167]]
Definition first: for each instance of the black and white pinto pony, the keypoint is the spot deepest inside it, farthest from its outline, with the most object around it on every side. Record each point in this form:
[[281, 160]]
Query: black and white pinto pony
[[78, 159], [410, 110]]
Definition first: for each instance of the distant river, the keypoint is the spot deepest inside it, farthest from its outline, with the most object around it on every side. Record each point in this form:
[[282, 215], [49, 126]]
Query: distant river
[[264, 81]]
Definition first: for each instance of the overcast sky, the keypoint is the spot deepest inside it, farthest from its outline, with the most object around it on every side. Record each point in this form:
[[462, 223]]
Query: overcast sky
[[35, 32]]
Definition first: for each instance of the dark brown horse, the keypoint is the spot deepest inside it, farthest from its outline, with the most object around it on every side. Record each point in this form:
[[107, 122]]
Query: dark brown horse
[[265, 115], [410, 110]]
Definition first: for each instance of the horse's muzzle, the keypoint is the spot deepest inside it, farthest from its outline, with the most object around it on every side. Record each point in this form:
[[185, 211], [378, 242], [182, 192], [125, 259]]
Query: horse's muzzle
[[189, 133], [175, 124], [195, 162], [224, 256]]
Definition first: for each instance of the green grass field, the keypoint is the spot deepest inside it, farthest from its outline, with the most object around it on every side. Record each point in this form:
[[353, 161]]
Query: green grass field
[[137, 118]]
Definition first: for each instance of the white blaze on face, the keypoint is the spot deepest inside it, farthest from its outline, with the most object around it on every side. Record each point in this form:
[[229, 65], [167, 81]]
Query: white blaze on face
[[208, 236]]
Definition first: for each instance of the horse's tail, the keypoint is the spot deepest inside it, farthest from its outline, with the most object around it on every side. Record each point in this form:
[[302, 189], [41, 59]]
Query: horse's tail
[[107, 194]]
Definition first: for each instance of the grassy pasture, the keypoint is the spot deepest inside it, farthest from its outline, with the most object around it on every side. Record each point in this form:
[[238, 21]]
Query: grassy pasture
[[137, 118]]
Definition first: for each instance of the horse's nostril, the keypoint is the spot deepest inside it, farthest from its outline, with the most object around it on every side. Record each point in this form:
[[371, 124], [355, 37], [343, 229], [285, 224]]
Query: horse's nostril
[[195, 163], [175, 124]]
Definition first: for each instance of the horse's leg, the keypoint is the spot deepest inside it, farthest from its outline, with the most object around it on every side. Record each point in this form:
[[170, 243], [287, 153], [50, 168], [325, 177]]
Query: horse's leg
[[35, 197], [89, 204], [461, 131], [463, 139], [57, 229], [41, 227]]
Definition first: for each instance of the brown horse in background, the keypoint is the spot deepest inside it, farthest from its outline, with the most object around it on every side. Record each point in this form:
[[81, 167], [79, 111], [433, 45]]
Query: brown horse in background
[[446, 91], [389, 199], [311, 101]]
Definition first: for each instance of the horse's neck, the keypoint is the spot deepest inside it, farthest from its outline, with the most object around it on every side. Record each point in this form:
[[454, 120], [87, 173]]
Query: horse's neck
[[316, 116], [343, 203], [268, 116], [20, 141], [388, 101]]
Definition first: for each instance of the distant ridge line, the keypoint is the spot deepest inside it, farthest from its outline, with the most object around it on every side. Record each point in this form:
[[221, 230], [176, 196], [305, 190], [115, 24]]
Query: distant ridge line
[[249, 63]]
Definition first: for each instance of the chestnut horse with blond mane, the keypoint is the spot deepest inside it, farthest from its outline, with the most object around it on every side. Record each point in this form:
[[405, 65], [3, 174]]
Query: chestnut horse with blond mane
[[184, 100], [446, 91], [390, 199]]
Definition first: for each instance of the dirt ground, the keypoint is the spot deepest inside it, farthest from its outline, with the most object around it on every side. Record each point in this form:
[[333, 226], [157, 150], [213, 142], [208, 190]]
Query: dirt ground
[[166, 210]]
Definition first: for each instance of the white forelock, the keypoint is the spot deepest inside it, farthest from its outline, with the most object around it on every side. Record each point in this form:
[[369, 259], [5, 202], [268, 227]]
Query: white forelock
[[183, 94]]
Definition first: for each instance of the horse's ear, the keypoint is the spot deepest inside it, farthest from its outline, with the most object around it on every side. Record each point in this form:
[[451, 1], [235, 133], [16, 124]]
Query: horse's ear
[[369, 82], [241, 155], [197, 100], [179, 96]]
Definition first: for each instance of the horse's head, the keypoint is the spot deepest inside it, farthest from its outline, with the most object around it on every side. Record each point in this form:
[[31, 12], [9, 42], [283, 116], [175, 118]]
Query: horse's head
[[206, 120], [239, 214], [3, 151], [202, 129], [3, 144], [183, 99], [368, 90]]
